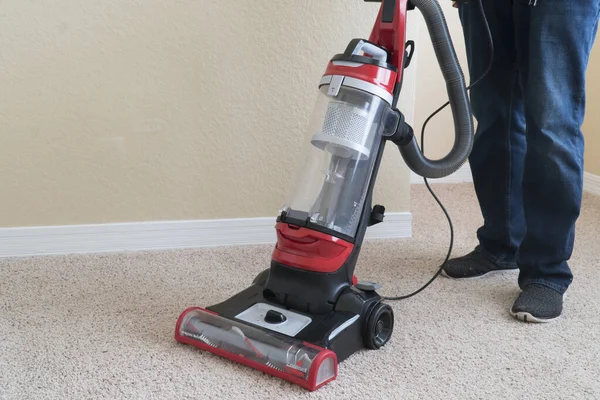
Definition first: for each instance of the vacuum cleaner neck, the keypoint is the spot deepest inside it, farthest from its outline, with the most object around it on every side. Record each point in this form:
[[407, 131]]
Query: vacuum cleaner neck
[[389, 31]]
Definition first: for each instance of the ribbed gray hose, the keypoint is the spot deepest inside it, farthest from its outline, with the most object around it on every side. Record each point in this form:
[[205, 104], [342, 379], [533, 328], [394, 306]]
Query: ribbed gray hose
[[459, 101]]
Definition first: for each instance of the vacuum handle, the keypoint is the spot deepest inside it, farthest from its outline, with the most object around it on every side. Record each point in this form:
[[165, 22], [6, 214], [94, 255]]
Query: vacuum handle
[[357, 45], [369, 48]]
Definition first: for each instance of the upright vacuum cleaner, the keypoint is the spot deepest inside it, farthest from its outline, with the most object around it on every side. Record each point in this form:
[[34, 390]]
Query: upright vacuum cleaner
[[308, 312]]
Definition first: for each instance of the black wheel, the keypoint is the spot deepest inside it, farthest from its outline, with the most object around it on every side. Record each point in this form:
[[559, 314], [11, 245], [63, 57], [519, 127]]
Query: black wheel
[[380, 325], [261, 278]]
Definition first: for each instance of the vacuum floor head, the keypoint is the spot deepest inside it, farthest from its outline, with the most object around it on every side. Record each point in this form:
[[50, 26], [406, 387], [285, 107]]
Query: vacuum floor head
[[298, 362]]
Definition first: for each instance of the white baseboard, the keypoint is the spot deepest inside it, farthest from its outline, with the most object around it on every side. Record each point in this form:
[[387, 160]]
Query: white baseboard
[[591, 183], [463, 175], [101, 238]]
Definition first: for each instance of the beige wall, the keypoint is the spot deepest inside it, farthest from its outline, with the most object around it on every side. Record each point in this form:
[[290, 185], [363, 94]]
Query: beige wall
[[118, 110], [591, 127], [430, 95]]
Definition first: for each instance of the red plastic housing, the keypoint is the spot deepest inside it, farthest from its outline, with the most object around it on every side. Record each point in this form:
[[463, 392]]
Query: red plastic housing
[[382, 77], [248, 348], [392, 35], [309, 250]]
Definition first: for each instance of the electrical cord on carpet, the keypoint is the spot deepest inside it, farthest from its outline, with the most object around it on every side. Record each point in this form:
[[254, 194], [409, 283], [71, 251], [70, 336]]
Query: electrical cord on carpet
[[438, 201]]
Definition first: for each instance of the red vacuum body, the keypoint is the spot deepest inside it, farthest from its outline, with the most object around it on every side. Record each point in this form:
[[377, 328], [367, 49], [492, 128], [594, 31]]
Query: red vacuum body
[[307, 312]]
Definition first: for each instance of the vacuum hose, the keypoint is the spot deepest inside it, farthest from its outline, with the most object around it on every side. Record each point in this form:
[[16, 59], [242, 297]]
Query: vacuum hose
[[459, 101]]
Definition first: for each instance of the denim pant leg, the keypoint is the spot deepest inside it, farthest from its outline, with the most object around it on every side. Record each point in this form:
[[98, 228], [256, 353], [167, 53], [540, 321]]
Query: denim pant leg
[[554, 40], [499, 149]]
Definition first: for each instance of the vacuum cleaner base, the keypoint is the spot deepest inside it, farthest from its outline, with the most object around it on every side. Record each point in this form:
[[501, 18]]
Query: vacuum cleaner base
[[299, 347]]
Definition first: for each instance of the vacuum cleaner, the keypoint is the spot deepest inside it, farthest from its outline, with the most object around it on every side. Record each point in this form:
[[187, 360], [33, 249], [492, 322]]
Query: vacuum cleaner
[[308, 312]]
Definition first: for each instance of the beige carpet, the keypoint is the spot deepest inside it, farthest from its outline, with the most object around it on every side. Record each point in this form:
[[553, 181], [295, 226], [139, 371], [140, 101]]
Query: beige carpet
[[101, 326]]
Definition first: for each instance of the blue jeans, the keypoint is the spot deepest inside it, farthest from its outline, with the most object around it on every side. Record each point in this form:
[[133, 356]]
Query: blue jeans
[[527, 160]]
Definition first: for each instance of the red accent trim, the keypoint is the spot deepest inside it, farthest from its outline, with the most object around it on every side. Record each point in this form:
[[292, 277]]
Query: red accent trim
[[309, 384], [294, 372], [354, 280], [392, 35], [382, 77], [316, 364], [309, 250]]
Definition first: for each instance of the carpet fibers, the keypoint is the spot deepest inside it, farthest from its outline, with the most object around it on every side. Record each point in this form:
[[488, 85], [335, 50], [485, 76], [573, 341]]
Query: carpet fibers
[[101, 326]]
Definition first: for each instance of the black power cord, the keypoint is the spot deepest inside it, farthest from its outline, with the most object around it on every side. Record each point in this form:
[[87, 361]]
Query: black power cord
[[450, 247]]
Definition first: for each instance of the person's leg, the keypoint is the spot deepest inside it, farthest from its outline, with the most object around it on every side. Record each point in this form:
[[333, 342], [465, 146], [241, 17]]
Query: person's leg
[[554, 40], [496, 160]]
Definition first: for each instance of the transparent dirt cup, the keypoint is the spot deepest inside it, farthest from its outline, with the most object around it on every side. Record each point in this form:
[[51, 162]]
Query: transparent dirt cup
[[344, 137]]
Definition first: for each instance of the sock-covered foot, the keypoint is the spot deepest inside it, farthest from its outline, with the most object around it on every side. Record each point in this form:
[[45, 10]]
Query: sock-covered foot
[[472, 265], [537, 303]]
